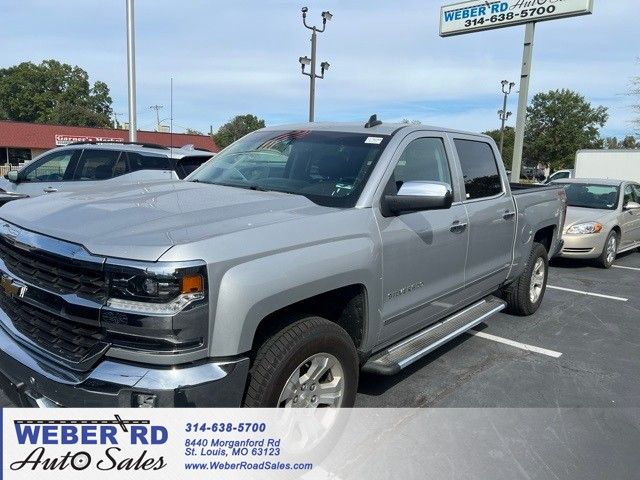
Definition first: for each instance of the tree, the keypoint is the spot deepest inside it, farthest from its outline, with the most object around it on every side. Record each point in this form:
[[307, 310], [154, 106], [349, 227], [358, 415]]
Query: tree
[[53, 92], [612, 143], [509, 140], [635, 91], [237, 128], [630, 142], [192, 131], [559, 123]]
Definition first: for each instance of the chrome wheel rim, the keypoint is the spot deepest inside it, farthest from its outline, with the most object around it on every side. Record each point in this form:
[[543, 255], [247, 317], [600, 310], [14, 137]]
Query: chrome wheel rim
[[612, 249], [318, 382], [537, 280]]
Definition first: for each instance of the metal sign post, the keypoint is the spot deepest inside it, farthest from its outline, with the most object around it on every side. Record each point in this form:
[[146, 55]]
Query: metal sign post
[[477, 15], [131, 72], [523, 99]]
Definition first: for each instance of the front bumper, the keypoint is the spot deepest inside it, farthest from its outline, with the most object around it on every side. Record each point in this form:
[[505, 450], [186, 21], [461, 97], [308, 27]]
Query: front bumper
[[582, 246], [30, 380]]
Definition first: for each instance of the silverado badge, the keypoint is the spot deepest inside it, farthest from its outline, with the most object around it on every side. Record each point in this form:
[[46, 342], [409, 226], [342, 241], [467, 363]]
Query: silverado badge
[[12, 288]]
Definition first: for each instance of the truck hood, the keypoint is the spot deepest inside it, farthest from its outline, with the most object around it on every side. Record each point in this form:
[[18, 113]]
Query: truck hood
[[142, 222], [577, 215]]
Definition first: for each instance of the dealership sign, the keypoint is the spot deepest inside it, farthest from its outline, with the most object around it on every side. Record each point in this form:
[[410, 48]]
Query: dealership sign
[[472, 16], [67, 139]]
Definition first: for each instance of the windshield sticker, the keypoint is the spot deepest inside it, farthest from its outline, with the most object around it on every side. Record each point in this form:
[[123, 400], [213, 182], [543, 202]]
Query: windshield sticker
[[374, 140]]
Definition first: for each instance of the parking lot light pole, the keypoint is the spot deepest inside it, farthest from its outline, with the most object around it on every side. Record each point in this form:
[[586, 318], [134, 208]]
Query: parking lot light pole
[[306, 61], [503, 114], [131, 72]]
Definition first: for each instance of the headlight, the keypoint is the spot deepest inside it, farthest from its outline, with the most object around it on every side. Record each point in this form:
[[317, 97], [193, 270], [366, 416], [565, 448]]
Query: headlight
[[585, 228], [155, 289]]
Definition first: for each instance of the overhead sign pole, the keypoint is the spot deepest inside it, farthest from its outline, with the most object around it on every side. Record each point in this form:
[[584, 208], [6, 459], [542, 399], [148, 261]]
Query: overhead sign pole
[[131, 72], [523, 99], [477, 15]]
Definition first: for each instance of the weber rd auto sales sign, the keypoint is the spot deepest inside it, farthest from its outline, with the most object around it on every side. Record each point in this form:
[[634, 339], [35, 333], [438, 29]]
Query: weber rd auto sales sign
[[473, 16]]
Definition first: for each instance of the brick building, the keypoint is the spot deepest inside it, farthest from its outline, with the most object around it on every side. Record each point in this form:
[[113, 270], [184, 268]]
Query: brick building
[[20, 142]]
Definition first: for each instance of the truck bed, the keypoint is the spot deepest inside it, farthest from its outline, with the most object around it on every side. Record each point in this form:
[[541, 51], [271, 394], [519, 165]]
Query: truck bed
[[520, 188]]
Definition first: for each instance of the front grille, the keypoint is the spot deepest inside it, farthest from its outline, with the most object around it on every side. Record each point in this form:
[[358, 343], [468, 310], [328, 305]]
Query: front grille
[[54, 274], [69, 340]]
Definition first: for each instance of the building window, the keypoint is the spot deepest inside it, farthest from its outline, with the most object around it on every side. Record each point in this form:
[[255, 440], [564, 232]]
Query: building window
[[19, 155], [3, 155]]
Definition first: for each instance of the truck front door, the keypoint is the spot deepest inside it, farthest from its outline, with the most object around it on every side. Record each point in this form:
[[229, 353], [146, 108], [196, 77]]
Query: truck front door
[[423, 252]]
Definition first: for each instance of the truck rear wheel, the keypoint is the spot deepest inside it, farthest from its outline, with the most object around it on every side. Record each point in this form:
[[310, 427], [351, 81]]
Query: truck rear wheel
[[311, 363], [524, 296]]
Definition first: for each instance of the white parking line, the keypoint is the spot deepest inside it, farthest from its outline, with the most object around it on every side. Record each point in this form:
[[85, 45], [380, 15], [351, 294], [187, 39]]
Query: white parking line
[[522, 346], [590, 294], [627, 268]]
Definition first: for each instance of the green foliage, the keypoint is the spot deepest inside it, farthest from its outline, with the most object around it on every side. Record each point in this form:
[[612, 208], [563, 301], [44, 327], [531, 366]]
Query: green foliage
[[629, 141], [193, 131], [509, 140], [237, 128], [53, 92], [559, 123]]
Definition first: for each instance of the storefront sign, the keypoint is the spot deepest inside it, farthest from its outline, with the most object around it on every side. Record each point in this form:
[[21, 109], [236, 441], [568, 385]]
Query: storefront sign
[[472, 16], [67, 139]]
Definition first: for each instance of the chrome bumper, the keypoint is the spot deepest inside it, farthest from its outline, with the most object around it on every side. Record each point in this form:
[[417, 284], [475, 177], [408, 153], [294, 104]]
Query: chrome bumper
[[29, 380]]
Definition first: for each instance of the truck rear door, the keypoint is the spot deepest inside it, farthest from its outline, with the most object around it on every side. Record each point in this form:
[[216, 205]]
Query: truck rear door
[[491, 212]]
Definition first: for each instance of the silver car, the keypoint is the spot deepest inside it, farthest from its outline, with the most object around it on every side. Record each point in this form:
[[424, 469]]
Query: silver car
[[85, 166], [603, 219]]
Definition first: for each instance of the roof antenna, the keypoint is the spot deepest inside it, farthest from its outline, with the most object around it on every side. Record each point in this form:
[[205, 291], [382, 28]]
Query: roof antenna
[[373, 121]]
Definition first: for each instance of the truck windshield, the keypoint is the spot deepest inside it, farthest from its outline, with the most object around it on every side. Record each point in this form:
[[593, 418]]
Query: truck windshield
[[329, 168], [603, 197]]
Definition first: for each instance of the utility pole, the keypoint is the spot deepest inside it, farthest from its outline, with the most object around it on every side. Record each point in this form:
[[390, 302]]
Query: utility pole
[[115, 117], [305, 61], [157, 108], [503, 114], [131, 72], [527, 57]]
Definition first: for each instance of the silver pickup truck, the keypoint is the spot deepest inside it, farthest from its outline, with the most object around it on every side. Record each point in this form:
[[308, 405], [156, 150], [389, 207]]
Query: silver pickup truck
[[280, 269]]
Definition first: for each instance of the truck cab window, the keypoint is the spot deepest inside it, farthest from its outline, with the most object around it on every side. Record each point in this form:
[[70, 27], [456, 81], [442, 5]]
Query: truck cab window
[[479, 167], [424, 159]]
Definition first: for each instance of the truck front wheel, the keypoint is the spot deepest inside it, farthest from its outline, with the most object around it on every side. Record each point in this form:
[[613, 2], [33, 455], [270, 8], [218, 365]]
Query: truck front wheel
[[311, 363], [524, 296]]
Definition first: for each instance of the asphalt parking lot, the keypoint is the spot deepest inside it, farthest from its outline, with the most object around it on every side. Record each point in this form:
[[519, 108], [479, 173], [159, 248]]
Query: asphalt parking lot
[[581, 349], [596, 336]]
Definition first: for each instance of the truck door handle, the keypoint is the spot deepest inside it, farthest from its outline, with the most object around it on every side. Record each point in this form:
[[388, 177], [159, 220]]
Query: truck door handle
[[508, 215], [50, 190], [458, 227]]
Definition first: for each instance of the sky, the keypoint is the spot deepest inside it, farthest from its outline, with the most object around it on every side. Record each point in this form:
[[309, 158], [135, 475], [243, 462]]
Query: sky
[[235, 57]]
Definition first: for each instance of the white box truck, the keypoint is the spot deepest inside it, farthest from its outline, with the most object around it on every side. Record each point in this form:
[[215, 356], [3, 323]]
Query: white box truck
[[615, 164]]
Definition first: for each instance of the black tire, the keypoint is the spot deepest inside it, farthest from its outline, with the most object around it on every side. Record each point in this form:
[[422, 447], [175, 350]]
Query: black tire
[[282, 353], [603, 260], [517, 294]]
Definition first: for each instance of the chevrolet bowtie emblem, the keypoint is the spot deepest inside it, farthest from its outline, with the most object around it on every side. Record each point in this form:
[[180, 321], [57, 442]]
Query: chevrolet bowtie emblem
[[12, 288]]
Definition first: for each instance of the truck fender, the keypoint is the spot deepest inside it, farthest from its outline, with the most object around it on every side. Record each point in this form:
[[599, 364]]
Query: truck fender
[[251, 291]]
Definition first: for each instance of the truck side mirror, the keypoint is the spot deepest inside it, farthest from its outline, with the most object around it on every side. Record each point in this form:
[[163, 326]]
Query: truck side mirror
[[418, 196], [632, 206], [12, 176]]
